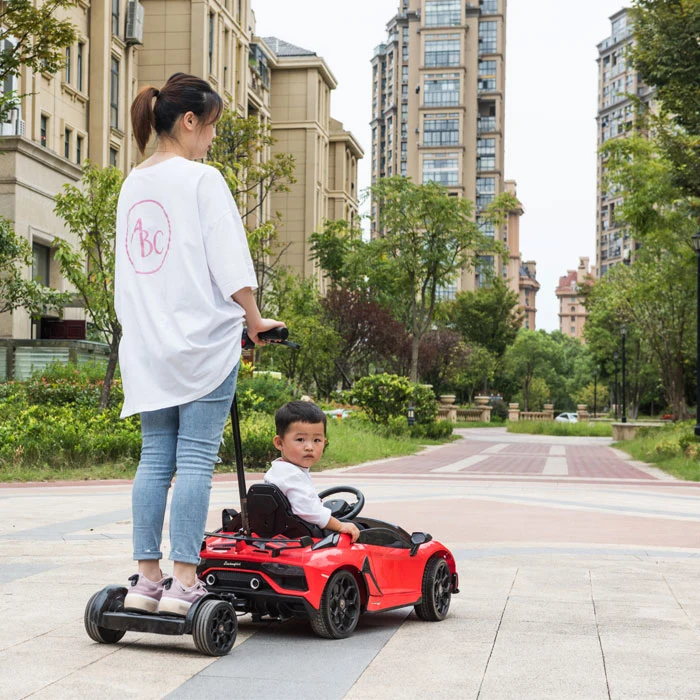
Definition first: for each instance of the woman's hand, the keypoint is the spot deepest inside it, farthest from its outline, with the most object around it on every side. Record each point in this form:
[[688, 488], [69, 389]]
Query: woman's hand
[[254, 322], [263, 324]]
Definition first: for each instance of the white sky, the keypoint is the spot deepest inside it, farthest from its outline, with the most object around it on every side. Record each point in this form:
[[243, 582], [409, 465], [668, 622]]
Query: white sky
[[551, 83]]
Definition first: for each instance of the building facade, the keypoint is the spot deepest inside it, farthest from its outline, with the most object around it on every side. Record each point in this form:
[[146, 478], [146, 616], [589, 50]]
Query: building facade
[[325, 154], [83, 112], [572, 312], [618, 85], [438, 105]]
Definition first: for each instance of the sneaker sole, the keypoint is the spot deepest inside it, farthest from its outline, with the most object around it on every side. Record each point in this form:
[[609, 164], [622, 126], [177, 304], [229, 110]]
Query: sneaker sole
[[173, 606], [143, 603]]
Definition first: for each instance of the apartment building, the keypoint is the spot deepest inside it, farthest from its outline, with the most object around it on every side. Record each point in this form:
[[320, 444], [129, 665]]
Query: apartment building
[[61, 120], [528, 288], [572, 312], [438, 101], [83, 112], [618, 85]]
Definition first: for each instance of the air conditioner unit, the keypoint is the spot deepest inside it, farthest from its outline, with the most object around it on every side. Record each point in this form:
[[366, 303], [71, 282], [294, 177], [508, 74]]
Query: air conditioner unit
[[134, 22]]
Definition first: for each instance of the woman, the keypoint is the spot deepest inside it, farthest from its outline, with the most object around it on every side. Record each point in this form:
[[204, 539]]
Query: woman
[[184, 283]]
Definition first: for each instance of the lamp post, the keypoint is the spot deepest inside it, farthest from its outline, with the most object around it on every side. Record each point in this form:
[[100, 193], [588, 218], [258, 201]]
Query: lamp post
[[623, 332], [595, 391], [411, 414], [617, 389], [696, 245]]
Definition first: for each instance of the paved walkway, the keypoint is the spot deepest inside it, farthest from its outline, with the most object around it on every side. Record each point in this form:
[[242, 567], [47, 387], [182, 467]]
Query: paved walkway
[[579, 576]]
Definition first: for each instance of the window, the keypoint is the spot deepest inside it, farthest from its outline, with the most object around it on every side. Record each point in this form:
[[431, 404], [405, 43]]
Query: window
[[484, 270], [442, 51], [442, 168], [79, 150], [487, 68], [43, 130], [66, 143], [446, 291], [489, 7], [115, 17], [573, 330], [486, 85], [114, 95], [488, 37], [443, 13], [441, 130], [573, 309], [487, 228], [68, 65], [113, 157], [211, 42], [485, 154], [79, 77], [41, 260], [441, 90]]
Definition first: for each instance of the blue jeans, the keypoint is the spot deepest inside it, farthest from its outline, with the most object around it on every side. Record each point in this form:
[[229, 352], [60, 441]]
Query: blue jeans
[[184, 440]]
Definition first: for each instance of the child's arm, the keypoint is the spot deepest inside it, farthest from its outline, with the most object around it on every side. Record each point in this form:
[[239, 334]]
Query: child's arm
[[339, 526]]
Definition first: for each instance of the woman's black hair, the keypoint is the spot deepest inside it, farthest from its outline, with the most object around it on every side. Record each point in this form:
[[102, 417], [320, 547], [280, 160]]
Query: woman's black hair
[[182, 93]]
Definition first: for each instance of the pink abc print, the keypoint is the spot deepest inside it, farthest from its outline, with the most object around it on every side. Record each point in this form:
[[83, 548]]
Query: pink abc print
[[147, 236]]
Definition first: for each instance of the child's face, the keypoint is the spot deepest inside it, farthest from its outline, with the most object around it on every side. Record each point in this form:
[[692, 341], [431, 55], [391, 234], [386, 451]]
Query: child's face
[[302, 444]]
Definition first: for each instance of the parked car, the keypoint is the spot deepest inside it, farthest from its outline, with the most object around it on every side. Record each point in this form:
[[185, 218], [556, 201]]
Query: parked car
[[567, 418]]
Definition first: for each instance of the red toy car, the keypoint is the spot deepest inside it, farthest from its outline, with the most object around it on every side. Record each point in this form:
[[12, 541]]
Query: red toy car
[[287, 567]]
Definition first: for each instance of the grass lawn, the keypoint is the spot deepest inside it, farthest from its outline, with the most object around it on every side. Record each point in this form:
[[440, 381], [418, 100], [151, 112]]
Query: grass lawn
[[645, 449], [348, 445], [478, 424], [552, 427]]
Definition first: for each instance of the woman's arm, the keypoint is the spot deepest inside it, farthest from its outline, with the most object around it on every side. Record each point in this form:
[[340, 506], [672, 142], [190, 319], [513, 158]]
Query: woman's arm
[[256, 324]]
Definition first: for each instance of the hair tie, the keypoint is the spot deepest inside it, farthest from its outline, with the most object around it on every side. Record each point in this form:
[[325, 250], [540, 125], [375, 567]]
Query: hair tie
[[157, 92]]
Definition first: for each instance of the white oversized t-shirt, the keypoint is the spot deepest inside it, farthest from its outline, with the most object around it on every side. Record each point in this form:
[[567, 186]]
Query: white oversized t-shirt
[[181, 252], [295, 483]]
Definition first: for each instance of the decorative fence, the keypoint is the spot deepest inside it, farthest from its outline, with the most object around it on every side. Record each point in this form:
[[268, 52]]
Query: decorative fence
[[20, 358], [514, 413], [481, 413]]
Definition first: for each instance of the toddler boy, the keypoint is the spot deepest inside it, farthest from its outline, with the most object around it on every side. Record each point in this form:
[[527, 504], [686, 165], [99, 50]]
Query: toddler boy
[[301, 437]]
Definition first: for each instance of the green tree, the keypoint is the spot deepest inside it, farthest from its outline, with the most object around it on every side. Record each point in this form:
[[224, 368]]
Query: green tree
[[477, 371], [427, 238], [32, 36], [538, 394], [240, 152], [528, 357], [666, 52], [16, 292], [90, 212], [489, 316]]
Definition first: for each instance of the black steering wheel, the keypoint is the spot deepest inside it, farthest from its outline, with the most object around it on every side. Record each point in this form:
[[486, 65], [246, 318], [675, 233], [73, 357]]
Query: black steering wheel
[[340, 509]]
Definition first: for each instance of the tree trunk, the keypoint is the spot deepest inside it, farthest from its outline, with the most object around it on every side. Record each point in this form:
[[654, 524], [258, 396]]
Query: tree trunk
[[414, 358], [109, 374]]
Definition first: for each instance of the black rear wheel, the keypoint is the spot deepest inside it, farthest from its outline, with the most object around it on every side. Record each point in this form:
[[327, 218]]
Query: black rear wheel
[[215, 628], [340, 607], [436, 591], [107, 600]]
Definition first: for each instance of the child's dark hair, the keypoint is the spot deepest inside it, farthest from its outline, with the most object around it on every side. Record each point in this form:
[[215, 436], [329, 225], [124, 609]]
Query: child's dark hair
[[298, 411], [181, 94]]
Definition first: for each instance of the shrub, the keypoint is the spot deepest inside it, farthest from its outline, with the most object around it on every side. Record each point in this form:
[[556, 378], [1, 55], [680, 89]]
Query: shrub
[[264, 393], [257, 432], [386, 396], [433, 431], [500, 409]]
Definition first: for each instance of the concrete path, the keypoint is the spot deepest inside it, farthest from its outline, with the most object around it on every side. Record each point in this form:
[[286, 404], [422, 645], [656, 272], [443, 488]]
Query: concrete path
[[580, 579]]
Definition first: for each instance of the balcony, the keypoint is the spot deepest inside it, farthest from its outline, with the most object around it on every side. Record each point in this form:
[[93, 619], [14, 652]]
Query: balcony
[[485, 125]]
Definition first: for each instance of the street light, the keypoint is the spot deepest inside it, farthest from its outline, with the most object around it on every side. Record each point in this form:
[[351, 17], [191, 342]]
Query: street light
[[696, 245], [623, 332], [595, 391], [411, 414], [617, 388]]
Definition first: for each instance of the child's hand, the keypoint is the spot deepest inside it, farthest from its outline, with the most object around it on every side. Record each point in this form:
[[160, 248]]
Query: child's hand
[[350, 529]]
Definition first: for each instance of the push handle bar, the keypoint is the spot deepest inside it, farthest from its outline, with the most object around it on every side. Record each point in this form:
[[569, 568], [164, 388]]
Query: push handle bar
[[276, 336]]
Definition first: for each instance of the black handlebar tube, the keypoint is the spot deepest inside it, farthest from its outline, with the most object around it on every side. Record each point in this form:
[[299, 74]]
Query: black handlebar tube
[[276, 336]]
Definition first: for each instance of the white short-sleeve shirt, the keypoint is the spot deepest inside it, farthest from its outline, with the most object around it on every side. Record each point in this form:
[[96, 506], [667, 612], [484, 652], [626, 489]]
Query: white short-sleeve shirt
[[295, 483], [181, 252]]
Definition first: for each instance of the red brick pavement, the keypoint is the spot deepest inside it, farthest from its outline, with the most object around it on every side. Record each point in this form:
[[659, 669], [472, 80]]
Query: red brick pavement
[[601, 462], [508, 464]]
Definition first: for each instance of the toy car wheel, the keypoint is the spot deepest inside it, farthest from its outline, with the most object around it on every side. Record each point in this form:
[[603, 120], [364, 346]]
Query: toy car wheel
[[215, 628], [339, 610], [106, 600], [436, 591]]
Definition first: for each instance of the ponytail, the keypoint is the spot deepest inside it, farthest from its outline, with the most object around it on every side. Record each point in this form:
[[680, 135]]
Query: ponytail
[[182, 93], [142, 115]]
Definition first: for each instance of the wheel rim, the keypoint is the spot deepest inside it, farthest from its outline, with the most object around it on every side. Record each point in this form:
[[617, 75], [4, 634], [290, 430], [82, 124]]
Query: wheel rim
[[222, 627], [442, 588], [344, 603]]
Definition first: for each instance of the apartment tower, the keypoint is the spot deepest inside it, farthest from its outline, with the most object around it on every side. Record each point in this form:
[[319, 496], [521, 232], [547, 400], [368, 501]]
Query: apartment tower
[[618, 85], [438, 90], [572, 312]]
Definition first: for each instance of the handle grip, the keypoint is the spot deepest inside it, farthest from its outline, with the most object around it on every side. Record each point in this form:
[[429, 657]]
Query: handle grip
[[275, 336]]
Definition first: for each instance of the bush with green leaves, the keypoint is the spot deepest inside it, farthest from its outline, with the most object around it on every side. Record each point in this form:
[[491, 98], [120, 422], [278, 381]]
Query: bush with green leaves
[[500, 410], [387, 396], [432, 431], [257, 433], [264, 393]]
